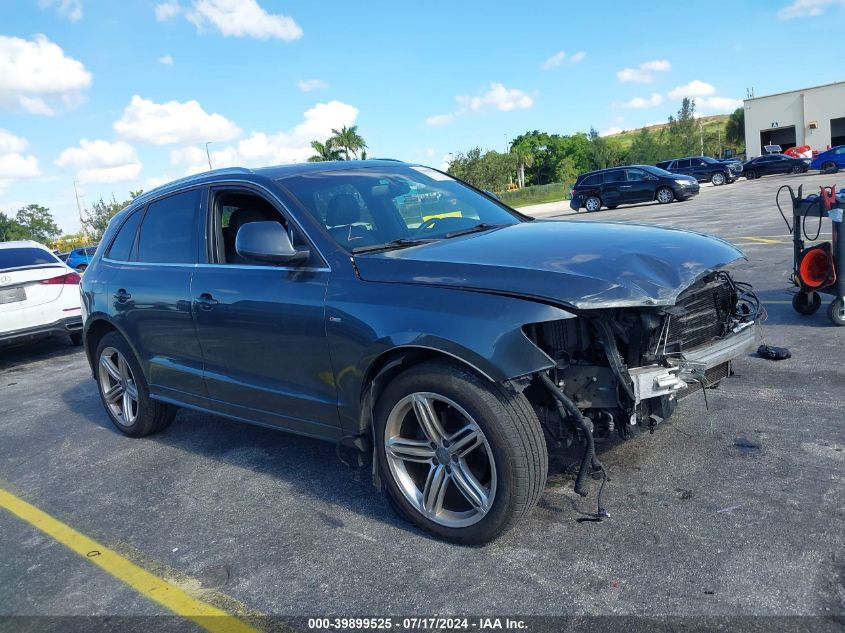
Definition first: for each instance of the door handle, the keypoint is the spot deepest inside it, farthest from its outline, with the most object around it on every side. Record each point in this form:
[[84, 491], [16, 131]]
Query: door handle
[[122, 296], [206, 301], [625, 186]]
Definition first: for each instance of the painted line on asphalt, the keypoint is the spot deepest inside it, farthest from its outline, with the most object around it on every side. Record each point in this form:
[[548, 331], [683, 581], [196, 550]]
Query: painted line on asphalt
[[149, 585]]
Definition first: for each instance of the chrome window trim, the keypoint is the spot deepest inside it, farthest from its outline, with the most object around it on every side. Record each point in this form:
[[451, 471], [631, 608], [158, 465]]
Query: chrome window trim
[[309, 269]]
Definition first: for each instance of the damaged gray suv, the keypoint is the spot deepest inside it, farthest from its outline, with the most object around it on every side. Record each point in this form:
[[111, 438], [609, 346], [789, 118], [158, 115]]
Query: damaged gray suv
[[413, 320]]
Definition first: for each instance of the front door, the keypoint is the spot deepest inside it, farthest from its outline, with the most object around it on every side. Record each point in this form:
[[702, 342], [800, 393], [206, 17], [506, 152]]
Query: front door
[[640, 187], [262, 327]]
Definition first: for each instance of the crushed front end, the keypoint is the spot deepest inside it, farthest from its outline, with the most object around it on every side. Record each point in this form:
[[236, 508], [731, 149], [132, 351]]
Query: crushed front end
[[626, 368]]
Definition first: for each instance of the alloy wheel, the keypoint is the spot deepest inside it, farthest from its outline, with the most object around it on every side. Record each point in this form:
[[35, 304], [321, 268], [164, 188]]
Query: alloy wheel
[[592, 204], [718, 179], [118, 387], [665, 195], [440, 459]]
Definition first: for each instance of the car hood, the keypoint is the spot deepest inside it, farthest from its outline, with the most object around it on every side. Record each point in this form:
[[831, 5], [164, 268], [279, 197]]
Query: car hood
[[583, 265]]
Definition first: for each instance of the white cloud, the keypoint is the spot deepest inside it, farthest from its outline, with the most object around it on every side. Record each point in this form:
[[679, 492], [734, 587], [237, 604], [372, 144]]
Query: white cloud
[[429, 152], [498, 97], [166, 10], [172, 122], [558, 58], [167, 60], [693, 90], [70, 9], [644, 72], [13, 164], [718, 104], [554, 61], [611, 131], [101, 161], [308, 85], [808, 8], [645, 102], [261, 149], [439, 119], [37, 77], [242, 18]]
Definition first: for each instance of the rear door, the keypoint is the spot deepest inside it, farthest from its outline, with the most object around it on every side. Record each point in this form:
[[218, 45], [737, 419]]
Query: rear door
[[151, 294], [682, 167], [615, 187]]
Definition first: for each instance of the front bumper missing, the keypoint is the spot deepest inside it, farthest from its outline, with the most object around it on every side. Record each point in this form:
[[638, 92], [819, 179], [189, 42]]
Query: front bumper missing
[[656, 380]]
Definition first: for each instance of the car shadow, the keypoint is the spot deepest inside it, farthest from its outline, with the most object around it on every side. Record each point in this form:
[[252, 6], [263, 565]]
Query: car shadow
[[12, 357], [310, 466]]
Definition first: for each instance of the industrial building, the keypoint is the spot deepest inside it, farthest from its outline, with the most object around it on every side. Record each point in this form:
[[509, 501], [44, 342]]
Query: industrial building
[[811, 116]]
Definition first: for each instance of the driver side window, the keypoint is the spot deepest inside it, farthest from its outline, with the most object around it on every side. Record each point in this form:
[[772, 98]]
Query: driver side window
[[232, 209]]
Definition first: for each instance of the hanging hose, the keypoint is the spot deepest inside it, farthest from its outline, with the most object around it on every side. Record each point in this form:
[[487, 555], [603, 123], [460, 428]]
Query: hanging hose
[[567, 410]]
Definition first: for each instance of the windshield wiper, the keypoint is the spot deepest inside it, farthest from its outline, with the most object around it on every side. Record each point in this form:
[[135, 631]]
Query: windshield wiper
[[402, 242], [484, 226]]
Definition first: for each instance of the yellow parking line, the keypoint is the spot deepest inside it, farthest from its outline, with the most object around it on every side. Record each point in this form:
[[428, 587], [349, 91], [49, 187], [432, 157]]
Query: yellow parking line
[[762, 240], [156, 589]]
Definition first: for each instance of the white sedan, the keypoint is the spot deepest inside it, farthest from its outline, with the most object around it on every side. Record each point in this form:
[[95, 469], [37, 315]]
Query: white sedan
[[39, 294]]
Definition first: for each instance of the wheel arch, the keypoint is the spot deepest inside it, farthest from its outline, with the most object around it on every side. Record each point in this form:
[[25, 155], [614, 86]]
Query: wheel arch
[[96, 327]]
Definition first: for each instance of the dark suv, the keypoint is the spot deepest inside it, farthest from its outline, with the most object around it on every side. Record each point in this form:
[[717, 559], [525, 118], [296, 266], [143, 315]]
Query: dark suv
[[626, 185], [409, 318], [703, 169]]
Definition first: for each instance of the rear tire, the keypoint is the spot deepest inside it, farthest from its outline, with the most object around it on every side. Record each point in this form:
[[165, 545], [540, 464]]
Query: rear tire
[[828, 165], [592, 203], [797, 169], [718, 178], [507, 459], [124, 391], [665, 195], [81, 268], [750, 175], [802, 305]]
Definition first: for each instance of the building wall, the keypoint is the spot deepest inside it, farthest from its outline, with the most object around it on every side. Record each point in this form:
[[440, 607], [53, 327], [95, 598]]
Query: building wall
[[800, 107]]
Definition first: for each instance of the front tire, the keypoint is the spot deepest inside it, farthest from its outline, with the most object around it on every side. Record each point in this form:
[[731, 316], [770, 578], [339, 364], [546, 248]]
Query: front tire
[[124, 391], [592, 203], [462, 458], [665, 195], [718, 179]]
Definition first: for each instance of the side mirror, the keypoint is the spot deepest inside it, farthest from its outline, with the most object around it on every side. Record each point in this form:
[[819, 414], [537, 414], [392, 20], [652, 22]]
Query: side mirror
[[267, 242], [492, 194]]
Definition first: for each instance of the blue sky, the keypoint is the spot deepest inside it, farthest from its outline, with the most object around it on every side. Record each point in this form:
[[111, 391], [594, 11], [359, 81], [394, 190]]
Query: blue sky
[[123, 95]]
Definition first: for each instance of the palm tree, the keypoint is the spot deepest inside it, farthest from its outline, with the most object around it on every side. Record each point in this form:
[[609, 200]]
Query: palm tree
[[325, 151], [525, 158], [348, 139]]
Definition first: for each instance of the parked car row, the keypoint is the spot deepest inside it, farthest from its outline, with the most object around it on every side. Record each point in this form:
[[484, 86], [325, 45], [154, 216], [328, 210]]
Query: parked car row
[[678, 179]]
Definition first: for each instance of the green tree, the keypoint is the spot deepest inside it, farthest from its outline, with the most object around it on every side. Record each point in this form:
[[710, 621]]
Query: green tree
[[348, 139], [10, 229], [489, 170], [567, 172], [98, 216], [683, 131], [325, 151], [37, 223], [602, 153], [644, 149], [735, 127]]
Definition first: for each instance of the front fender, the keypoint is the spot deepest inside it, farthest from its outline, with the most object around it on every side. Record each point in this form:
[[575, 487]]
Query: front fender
[[482, 330]]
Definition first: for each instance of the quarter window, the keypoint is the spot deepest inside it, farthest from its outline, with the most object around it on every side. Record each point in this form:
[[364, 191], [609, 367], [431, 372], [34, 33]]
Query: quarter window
[[168, 231], [121, 247]]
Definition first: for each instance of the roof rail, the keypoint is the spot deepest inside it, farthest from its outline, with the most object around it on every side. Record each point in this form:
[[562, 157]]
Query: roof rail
[[190, 179]]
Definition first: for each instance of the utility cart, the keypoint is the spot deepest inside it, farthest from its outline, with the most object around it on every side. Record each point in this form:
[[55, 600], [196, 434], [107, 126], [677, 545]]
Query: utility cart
[[820, 268]]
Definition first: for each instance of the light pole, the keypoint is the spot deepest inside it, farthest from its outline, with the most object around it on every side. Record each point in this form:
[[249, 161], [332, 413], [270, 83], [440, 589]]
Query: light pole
[[79, 208], [208, 155]]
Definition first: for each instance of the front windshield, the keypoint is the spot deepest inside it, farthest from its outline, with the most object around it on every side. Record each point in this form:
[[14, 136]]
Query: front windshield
[[657, 171], [363, 208]]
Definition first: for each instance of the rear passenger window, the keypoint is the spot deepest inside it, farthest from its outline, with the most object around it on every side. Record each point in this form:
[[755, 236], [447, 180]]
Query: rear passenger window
[[168, 231], [615, 176], [682, 164], [121, 247]]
